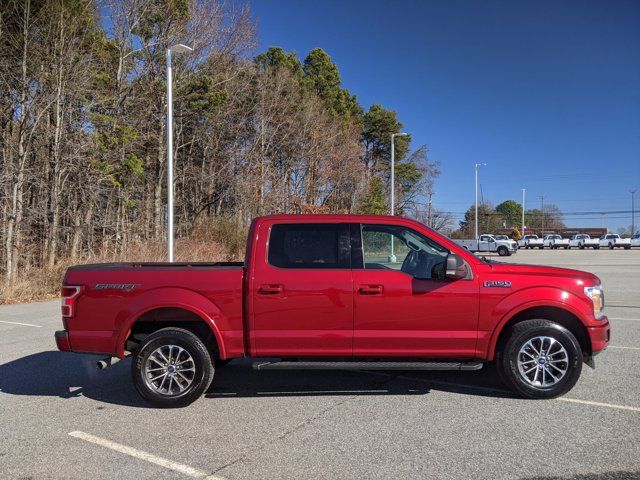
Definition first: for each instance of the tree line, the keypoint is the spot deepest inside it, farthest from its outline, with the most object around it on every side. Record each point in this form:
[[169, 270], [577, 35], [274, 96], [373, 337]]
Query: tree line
[[83, 134], [508, 216]]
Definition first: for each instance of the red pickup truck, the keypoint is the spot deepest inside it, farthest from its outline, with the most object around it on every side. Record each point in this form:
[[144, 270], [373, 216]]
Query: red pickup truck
[[336, 292]]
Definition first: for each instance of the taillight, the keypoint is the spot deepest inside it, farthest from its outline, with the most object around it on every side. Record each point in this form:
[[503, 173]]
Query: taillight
[[69, 296]]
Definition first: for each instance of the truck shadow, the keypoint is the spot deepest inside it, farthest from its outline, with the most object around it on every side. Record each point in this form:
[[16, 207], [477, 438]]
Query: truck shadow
[[238, 379], [68, 375]]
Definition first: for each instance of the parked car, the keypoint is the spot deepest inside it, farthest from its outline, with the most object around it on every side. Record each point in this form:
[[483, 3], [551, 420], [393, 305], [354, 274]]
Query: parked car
[[613, 240], [489, 243], [635, 240], [323, 292], [555, 241], [505, 238], [582, 240], [530, 241]]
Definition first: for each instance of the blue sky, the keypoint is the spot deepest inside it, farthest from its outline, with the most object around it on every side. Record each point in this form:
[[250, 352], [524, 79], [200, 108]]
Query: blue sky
[[546, 92]]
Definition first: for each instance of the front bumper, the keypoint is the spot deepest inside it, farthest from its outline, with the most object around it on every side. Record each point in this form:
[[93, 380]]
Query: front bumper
[[599, 336], [62, 341]]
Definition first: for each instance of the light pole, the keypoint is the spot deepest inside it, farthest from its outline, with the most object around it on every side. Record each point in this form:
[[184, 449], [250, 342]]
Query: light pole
[[475, 166], [524, 190], [633, 212], [392, 256], [174, 49], [431, 194]]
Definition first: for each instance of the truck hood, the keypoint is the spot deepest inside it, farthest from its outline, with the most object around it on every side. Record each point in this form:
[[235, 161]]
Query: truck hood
[[542, 271]]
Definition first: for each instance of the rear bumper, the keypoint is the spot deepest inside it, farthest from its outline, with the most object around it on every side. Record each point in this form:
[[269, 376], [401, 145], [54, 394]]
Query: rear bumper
[[599, 336], [62, 341]]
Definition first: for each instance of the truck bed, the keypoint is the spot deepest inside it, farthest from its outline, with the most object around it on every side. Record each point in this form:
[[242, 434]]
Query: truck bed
[[115, 295], [152, 265]]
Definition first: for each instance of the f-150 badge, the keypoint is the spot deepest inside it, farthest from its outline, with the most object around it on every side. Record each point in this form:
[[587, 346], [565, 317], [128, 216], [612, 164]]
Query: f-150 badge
[[498, 284]]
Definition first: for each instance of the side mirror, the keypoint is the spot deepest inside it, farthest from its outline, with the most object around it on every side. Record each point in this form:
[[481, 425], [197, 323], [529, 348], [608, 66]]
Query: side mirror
[[456, 268]]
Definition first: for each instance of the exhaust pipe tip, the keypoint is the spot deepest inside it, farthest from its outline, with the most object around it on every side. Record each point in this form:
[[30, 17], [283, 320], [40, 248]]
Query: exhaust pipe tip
[[107, 362]]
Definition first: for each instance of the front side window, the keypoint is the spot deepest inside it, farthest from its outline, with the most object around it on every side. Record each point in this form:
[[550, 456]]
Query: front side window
[[389, 247], [309, 245]]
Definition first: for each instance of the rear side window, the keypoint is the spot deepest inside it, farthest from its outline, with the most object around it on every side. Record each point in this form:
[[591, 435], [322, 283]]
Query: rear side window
[[308, 245]]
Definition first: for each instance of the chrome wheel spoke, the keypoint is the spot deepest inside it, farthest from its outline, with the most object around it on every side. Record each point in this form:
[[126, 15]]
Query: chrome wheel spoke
[[153, 359], [156, 378], [159, 352]]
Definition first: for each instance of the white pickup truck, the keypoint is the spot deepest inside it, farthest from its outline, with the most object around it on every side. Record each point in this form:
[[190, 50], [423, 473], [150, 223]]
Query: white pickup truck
[[582, 241], [488, 243], [530, 241], [555, 241], [613, 240], [635, 240]]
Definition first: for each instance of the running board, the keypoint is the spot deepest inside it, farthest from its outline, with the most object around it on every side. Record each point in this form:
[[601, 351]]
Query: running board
[[358, 365]]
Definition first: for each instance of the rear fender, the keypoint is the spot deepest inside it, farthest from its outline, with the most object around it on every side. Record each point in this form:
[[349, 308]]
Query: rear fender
[[520, 301], [172, 298]]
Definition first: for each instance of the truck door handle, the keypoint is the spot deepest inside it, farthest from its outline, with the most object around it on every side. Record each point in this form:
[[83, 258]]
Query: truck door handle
[[270, 289], [370, 289]]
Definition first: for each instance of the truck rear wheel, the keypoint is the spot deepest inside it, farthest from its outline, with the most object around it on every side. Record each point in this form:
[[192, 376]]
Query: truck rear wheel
[[540, 359], [172, 368]]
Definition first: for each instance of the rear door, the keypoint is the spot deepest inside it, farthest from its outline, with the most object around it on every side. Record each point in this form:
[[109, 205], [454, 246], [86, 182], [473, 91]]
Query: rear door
[[301, 291], [486, 243]]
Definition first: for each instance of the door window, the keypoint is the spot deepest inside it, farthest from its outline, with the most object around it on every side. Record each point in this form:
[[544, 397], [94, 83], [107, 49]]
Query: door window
[[389, 247], [309, 245]]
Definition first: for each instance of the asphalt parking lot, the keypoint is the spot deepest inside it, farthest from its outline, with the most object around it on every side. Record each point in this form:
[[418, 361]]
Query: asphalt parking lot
[[61, 418]]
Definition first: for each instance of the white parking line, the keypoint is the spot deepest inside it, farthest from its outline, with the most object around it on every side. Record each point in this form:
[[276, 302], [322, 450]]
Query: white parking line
[[132, 452], [23, 324], [627, 319], [497, 390], [626, 348], [598, 404]]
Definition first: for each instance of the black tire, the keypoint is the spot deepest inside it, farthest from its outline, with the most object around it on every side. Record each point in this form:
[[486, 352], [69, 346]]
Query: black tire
[[611, 246], [502, 251], [202, 364], [517, 337], [541, 247], [566, 247], [597, 247], [582, 246], [627, 247]]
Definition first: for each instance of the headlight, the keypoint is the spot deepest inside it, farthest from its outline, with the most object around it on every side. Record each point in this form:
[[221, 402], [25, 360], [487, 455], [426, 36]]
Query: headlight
[[597, 297]]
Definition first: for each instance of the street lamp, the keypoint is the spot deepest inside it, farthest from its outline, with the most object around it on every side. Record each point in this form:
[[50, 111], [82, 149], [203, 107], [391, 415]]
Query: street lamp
[[392, 257], [476, 165], [524, 191], [180, 48]]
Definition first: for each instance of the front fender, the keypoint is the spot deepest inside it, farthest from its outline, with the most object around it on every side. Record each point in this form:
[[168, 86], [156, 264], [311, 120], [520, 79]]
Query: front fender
[[522, 300], [169, 298]]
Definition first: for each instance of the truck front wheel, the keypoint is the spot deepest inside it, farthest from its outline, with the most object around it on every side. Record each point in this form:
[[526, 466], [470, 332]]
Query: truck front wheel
[[172, 368], [503, 251], [540, 359]]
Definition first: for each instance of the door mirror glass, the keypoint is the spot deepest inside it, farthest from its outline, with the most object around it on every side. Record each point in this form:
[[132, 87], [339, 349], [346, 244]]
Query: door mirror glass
[[456, 268]]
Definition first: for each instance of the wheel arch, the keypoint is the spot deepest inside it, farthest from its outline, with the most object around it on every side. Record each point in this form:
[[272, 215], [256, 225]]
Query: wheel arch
[[172, 307], [562, 315]]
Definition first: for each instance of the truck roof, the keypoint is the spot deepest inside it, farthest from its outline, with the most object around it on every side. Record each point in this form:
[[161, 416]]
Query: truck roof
[[339, 217]]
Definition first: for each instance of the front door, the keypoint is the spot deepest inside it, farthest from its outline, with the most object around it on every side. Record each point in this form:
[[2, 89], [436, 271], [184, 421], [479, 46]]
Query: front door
[[302, 291], [404, 306]]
